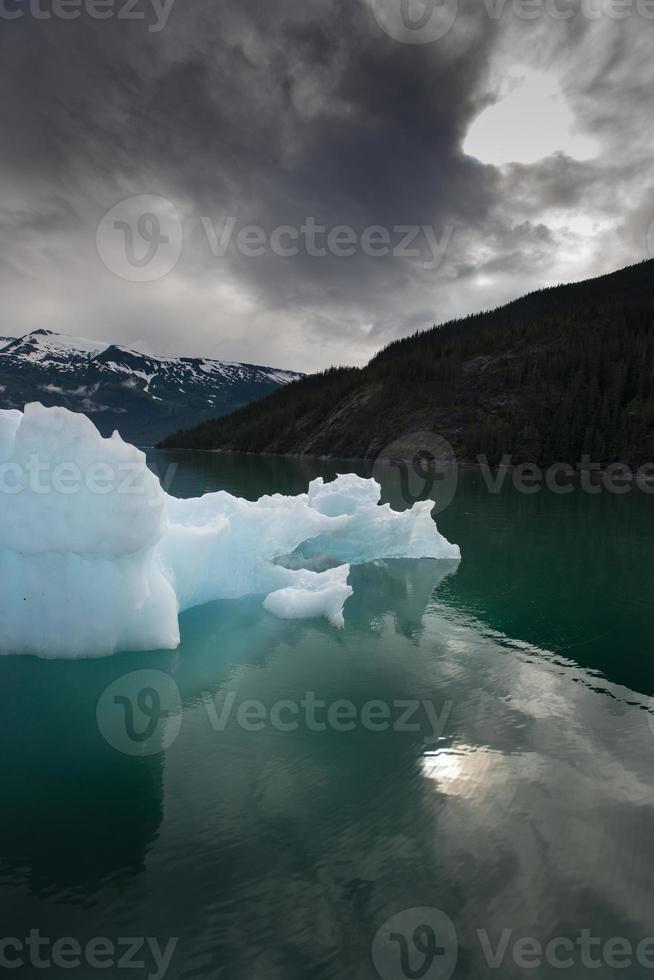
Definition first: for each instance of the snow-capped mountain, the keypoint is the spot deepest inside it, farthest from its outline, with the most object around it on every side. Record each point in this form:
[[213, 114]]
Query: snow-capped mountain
[[144, 396]]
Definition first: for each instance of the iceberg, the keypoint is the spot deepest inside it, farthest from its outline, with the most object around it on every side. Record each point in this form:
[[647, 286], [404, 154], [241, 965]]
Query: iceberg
[[96, 558]]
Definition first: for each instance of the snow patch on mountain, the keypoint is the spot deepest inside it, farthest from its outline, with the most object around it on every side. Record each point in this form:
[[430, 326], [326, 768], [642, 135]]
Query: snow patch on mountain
[[149, 395]]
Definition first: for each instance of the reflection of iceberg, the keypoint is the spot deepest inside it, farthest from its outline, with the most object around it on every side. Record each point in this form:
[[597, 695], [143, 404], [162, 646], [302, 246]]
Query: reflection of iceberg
[[400, 588], [389, 595], [95, 557]]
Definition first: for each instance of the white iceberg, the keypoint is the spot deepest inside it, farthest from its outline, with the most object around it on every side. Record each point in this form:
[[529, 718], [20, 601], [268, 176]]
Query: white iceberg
[[95, 557]]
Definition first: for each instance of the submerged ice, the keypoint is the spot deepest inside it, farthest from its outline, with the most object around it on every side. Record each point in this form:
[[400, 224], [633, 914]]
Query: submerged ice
[[95, 557]]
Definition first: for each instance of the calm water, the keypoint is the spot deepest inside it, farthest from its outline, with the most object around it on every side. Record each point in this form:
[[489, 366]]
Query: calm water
[[274, 843]]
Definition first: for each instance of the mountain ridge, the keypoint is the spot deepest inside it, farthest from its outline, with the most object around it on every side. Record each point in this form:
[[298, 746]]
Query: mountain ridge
[[141, 395], [555, 375]]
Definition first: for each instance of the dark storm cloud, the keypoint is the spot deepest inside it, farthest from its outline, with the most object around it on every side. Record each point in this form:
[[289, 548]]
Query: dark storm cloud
[[270, 113]]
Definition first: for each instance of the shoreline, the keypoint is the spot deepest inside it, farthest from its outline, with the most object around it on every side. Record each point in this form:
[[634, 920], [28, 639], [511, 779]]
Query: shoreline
[[593, 469]]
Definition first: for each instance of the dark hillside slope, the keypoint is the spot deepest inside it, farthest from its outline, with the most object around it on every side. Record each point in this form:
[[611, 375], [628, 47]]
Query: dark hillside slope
[[550, 377]]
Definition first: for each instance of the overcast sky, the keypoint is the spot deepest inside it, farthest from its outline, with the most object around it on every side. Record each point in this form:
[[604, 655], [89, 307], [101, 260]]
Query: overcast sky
[[511, 145]]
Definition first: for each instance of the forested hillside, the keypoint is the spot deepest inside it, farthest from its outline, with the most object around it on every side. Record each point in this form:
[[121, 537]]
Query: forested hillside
[[550, 377]]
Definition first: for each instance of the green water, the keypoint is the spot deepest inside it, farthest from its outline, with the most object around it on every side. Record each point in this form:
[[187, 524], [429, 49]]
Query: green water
[[277, 843]]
